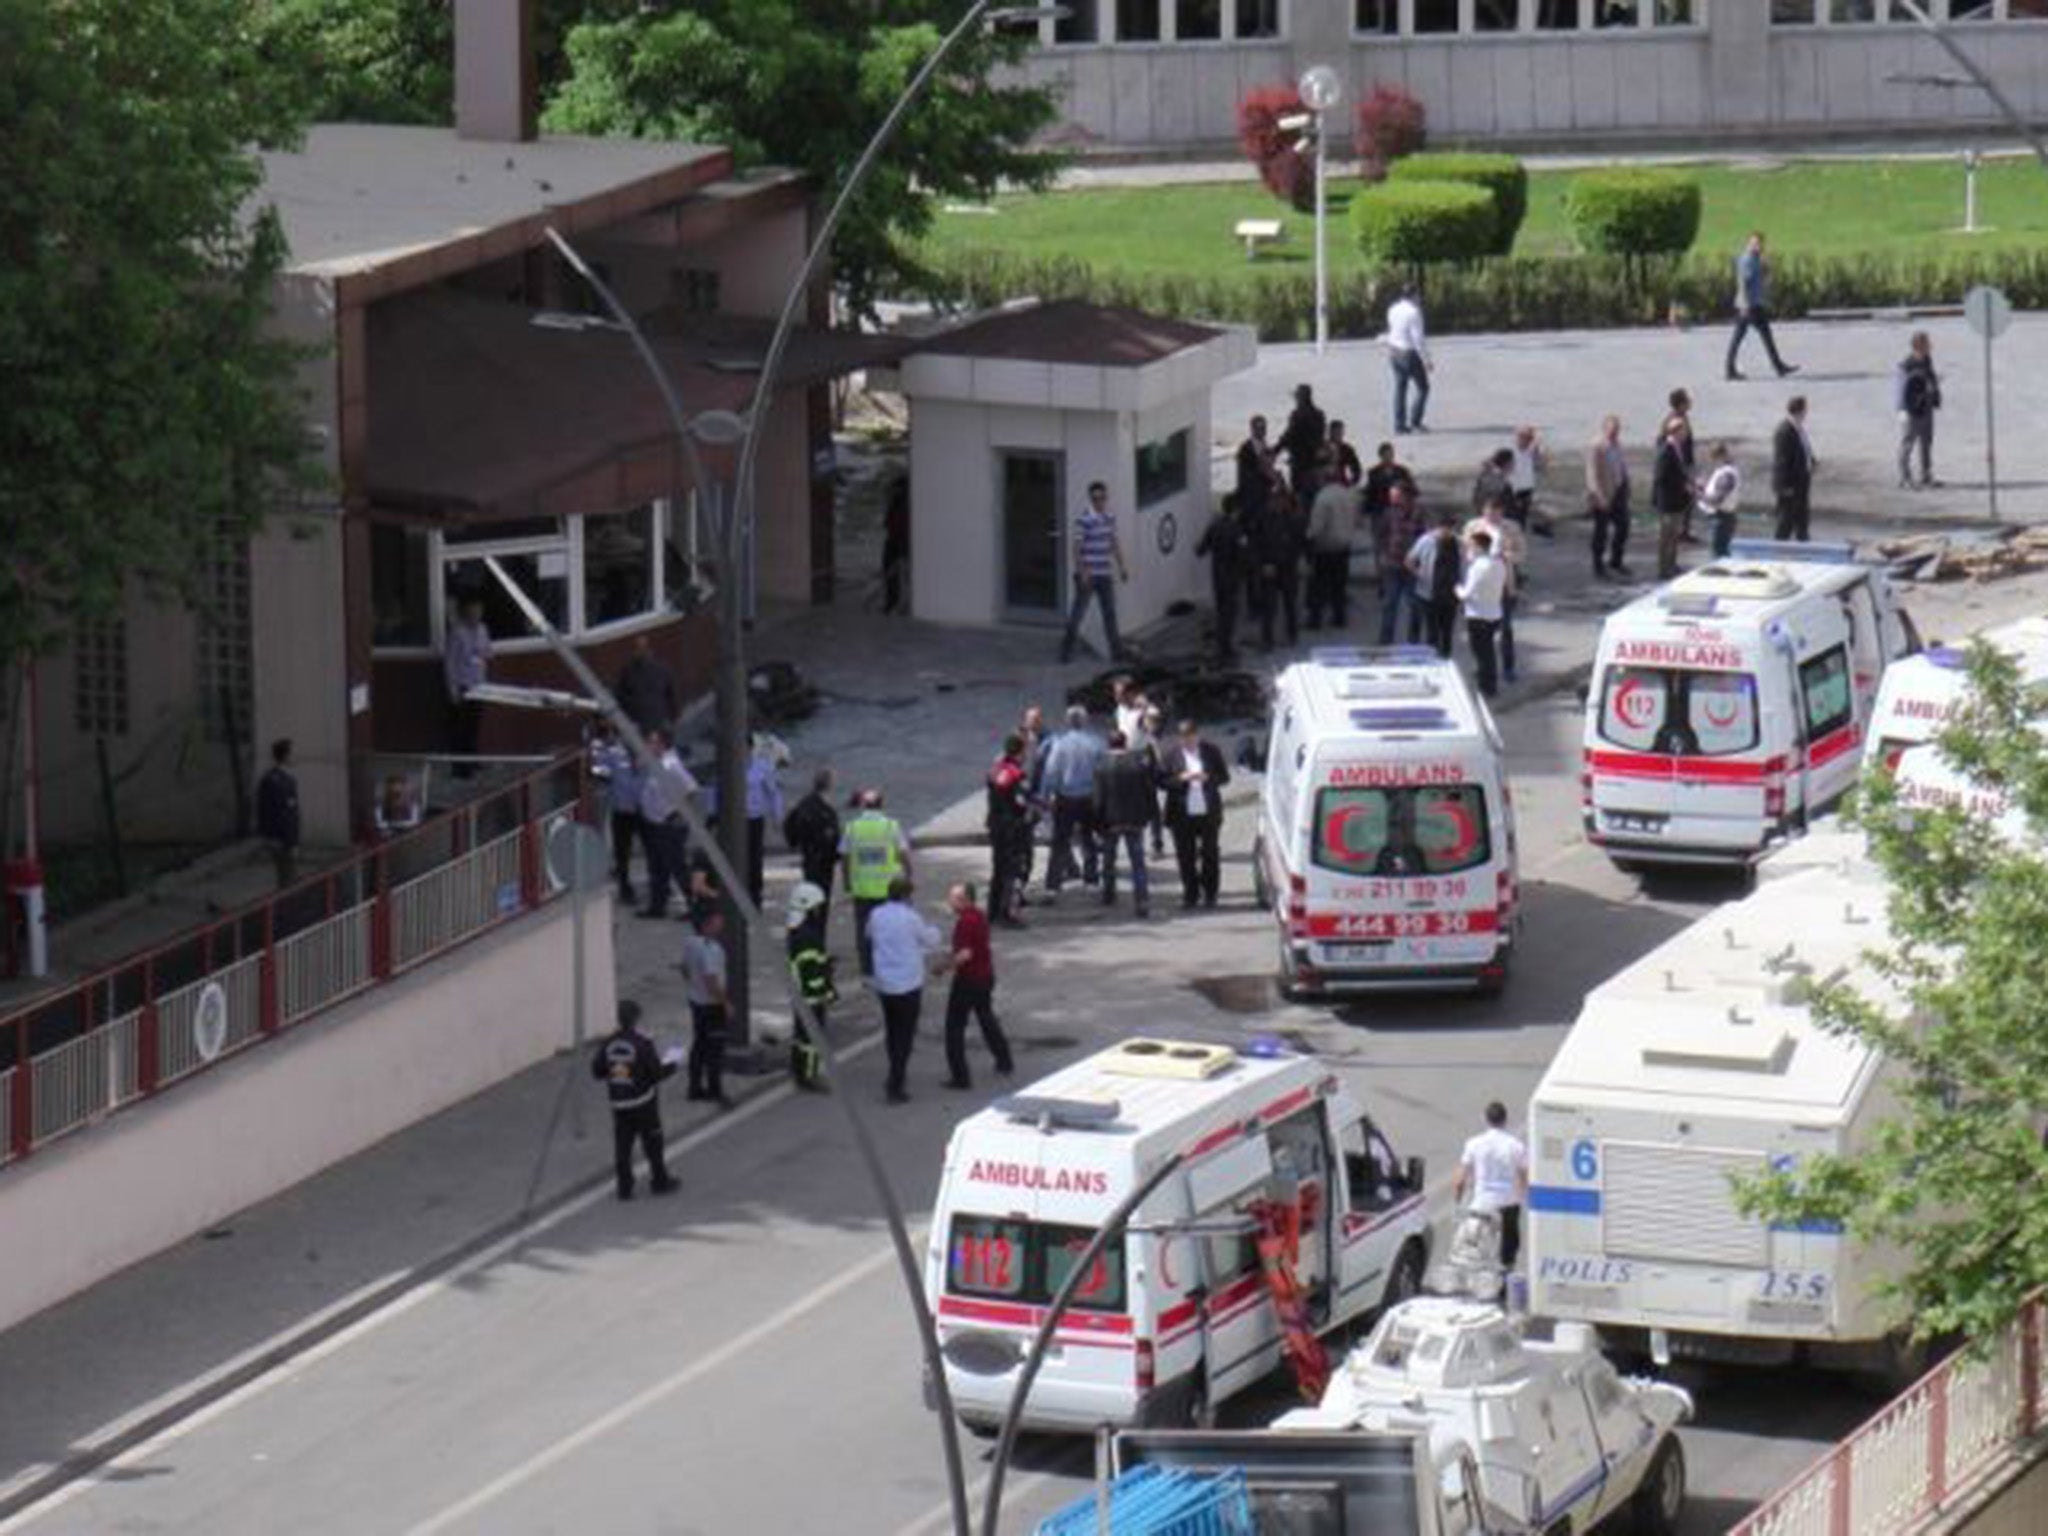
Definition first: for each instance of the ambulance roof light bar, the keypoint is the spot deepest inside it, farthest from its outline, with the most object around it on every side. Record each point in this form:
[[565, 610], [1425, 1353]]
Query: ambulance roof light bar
[[1690, 605], [1373, 655], [1786, 551], [1050, 1112], [1401, 719]]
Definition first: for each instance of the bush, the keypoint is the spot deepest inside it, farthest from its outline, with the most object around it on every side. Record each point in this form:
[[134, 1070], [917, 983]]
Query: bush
[[1634, 213], [1414, 222], [1391, 125], [1505, 177], [1287, 173]]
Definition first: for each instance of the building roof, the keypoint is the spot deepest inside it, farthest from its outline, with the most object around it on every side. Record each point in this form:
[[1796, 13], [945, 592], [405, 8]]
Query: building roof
[[356, 198], [1072, 331]]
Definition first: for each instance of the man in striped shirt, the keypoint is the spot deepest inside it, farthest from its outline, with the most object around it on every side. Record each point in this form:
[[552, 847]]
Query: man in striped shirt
[[1098, 567]]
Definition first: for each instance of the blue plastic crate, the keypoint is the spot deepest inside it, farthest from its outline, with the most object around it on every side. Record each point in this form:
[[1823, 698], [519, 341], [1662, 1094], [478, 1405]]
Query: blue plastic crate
[[1156, 1501]]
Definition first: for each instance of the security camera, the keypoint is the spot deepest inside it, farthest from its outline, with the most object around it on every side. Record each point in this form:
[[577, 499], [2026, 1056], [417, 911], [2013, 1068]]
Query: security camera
[[1294, 122]]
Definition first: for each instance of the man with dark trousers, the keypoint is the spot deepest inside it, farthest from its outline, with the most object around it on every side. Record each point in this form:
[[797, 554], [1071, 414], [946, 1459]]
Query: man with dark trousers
[[1792, 464], [972, 993], [1126, 800], [1009, 832], [901, 942], [1225, 545], [812, 831], [1195, 773], [1308, 431], [1753, 306], [632, 1072], [277, 812]]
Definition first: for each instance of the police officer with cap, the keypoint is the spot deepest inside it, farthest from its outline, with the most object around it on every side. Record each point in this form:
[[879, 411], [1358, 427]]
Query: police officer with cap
[[632, 1071]]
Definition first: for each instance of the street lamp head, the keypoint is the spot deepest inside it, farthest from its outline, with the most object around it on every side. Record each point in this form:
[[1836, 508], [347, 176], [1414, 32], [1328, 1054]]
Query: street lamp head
[[1321, 87], [718, 427]]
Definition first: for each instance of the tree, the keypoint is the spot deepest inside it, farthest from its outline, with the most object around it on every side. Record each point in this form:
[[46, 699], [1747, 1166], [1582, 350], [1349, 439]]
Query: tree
[[1287, 173], [1959, 1177], [148, 415], [805, 83]]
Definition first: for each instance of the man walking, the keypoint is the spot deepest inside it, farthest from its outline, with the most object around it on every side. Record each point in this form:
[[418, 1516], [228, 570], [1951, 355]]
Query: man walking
[[1408, 360], [901, 941], [277, 812], [1331, 518], [663, 786], [1483, 591], [1069, 783], [1792, 465], [632, 1072], [1607, 498], [1195, 775], [1303, 441], [812, 831], [704, 985], [1009, 832], [1494, 1174], [1399, 527], [1126, 797], [875, 854], [1224, 544], [972, 993], [1098, 567], [1753, 306], [1916, 396]]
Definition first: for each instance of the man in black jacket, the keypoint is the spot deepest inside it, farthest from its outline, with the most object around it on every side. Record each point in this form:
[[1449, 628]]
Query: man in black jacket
[[632, 1072], [1792, 472], [277, 812], [1126, 799], [1225, 545], [1279, 537], [1194, 773], [811, 830], [1307, 431], [1671, 490], [647, 689]]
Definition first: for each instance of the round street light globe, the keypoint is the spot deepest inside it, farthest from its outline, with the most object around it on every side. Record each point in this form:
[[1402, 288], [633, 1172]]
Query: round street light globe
[[1320, 88]]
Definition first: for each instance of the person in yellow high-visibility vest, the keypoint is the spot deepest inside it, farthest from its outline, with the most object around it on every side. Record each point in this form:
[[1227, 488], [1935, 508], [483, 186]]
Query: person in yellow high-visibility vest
[[874, 851]]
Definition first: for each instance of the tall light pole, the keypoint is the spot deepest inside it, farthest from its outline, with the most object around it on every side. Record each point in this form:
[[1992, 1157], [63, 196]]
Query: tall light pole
[[1321, 90]]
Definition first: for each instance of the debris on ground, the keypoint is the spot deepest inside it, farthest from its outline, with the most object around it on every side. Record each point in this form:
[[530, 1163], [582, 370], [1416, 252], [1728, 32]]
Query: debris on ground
[[1975, 555], [778, 694], [1183, 687]]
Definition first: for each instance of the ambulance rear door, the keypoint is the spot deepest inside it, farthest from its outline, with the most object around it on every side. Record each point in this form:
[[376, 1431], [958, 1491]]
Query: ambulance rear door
[[1829, 725], [1403, 854]]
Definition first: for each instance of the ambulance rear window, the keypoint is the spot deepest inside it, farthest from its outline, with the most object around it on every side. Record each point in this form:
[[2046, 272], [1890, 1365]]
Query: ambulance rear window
[[1434, 829], [1678, 712], [1005, 1259]]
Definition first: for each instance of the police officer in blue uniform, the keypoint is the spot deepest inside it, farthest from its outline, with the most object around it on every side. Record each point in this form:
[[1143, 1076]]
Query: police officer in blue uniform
[[632, 1071]]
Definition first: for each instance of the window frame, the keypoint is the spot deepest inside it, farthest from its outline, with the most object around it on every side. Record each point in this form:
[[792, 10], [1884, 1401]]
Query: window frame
[[1888, 13], [1395, 795], [1185, 436], [1648, 22], [1837, 654], [1677, 683], [1105, 33], [1035, 1284]]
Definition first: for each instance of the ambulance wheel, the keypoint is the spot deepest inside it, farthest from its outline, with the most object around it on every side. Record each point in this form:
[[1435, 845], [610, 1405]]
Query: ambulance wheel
[[1406, 1280], [1286, 977], [1183, 1405], [1658, 1503], [981, 1429]]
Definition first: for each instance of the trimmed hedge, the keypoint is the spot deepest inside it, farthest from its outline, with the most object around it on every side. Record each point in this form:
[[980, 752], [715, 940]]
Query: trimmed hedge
[[1634, 213], [1532, 293], [1416, 222], [1502, 175]]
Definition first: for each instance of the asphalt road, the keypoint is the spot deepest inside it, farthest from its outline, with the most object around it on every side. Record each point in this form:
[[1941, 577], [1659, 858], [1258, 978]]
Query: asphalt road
[[740, 1359]]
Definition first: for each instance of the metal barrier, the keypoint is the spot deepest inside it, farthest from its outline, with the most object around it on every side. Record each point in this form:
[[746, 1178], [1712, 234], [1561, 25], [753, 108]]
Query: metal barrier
[[1904, 1465], [73, 1056]]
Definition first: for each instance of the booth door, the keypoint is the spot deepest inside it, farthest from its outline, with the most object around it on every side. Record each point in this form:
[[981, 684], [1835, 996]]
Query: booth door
[[1032, 491]]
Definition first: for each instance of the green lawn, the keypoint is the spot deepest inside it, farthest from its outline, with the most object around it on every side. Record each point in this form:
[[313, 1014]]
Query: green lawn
[[1835, 208]]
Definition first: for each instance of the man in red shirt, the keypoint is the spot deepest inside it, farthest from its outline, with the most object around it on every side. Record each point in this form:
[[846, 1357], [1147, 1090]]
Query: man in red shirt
[[973, 990]]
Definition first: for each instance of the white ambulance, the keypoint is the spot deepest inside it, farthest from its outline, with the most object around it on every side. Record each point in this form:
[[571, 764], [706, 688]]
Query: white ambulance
[[1726, 708], [1386, 842], [1178, 1314], [1921, 693], [1699, 1063]]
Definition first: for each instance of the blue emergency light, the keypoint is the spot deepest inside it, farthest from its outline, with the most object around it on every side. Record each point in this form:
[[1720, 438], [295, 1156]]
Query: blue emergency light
[[1789, 552], [1947, 657], [1372, 655], [1401, 719]]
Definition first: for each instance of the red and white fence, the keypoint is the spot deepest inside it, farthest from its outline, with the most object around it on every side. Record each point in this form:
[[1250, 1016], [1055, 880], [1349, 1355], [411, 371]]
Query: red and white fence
[[75, 1055], [1908, 1461]]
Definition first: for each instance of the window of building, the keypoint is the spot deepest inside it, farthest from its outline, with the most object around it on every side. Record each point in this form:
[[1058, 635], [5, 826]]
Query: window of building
[[620, 568], [1617, 13], [1675, 13], [1557, 15], [1379, 17], [696, 290], [1163, 468], [100, 678], [1495, 15], [1137, 21], [1436, 15], [1852, 11], [1792, 13], [1258, 18], [1971, 10], [1079, 21], [225, 666], [401, 581], [1198, 21]]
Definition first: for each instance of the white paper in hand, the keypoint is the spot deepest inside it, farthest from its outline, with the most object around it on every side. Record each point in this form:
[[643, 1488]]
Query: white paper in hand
[[672, 1057]]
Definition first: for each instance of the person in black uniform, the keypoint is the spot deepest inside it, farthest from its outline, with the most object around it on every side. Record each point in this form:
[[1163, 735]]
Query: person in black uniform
[[812, 829], [632, 1072], [1226, 545]]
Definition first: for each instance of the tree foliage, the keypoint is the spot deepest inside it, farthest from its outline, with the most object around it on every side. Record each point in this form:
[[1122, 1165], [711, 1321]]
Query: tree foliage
[[1504, 178], [1276, 152], [806, 83], [1634, 212], [147, 414], [1391, 124], [1409, 223], [1959, 1177]]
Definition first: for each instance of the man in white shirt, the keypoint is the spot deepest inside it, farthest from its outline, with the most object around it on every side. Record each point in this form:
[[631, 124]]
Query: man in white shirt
[[704, 972], [1529, 463], [663, 788], [1408, 358], [900, 941], [1494, 1172], [1483, 591], [1511, 548], [1720, 499]]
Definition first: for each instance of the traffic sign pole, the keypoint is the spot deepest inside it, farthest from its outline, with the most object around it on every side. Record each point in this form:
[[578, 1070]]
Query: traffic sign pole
[[1990, 431], [1988, 312]]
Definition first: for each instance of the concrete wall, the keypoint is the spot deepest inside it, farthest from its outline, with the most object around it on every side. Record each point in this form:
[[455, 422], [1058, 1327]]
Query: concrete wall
[[261, 1122], [2016, 1509], [1737, 76]]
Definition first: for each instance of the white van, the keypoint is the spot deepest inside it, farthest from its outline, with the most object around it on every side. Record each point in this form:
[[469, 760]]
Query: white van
[[1386, 842], [1178, 1314], [1920, 693], [1726, 707], [1700, 1062]]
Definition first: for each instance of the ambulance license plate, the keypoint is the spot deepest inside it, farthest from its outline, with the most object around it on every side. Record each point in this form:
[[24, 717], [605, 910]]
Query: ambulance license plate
[[1621, 822], [1340, 953]]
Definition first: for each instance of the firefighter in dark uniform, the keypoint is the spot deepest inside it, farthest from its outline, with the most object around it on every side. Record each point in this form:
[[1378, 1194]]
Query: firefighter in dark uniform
[[632, 1072], [810, 978]]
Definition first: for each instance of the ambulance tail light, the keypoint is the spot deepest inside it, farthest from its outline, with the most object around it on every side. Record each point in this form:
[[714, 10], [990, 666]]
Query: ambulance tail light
[[1147, 1367], [1504, 898], [1774, 789], [1297, 907]]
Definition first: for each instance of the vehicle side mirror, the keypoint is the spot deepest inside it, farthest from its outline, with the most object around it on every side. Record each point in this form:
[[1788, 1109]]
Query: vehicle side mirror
[[1417, 1170]]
